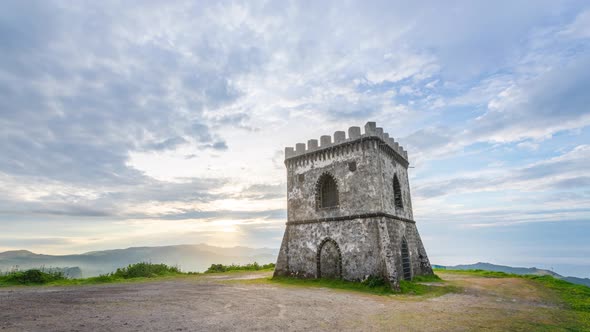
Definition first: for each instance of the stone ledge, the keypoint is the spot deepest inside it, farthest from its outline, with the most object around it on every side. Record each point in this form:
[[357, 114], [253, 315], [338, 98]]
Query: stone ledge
[[350, 217]]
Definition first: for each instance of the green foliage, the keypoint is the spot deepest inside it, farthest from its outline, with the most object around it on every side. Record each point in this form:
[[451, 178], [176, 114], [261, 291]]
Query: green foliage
[[145, 270], [576, 296], [138, 271], [217, 268], [103, 278], [427, 278], [374, 282], [371, 287], [410, 287], [31, 277]]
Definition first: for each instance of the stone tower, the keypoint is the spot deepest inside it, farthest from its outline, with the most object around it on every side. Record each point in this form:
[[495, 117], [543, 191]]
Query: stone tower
[[350, 210]]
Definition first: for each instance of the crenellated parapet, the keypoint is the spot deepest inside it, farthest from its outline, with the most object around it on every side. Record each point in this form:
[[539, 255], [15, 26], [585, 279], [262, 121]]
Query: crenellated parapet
[[373, 137]]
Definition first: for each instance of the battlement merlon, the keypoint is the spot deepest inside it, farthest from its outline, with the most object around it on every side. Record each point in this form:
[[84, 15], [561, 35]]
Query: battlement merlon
[[354, 134]]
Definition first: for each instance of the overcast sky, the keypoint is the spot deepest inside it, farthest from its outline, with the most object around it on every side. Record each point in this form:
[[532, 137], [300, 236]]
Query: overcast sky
[[152, 123]]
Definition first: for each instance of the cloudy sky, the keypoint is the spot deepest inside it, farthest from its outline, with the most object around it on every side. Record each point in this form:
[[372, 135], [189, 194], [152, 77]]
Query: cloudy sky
[[152, 123]]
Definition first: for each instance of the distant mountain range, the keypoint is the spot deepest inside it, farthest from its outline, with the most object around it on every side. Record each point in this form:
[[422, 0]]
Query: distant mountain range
[[196, 257], [515, 270]]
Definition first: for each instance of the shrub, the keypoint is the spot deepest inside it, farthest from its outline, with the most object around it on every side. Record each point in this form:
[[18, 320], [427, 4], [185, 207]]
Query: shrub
[[32, 276], [216, 268], [145, 270], [373, 281]]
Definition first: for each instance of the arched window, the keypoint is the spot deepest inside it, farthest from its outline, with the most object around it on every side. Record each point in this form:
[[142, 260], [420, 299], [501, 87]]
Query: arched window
[[397, 193], [326, 192]]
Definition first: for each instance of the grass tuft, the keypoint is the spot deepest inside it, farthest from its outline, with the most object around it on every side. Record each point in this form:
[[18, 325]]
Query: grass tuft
[[145, 270], [218, 268]]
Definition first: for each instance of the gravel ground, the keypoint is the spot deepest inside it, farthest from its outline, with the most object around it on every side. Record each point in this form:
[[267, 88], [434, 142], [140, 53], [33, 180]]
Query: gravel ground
[[212, 303]]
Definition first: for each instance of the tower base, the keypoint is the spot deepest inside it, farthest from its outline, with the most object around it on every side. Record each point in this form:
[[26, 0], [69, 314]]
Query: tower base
[[353, 248]]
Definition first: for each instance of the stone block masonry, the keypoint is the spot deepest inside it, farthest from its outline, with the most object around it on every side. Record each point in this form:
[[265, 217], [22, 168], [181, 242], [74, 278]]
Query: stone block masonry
[[349, 210]]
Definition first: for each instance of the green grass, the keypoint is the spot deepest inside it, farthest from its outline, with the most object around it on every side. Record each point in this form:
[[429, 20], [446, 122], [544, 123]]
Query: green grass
[[145, 270], [333, 283], [133, 273], [482, 273], [31, 277], [575, 297], [219, 268], [136, 272], [372, 285], [427, 278]]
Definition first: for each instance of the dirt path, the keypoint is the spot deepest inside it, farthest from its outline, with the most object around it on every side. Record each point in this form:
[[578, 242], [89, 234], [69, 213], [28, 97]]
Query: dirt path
[[212, 303]]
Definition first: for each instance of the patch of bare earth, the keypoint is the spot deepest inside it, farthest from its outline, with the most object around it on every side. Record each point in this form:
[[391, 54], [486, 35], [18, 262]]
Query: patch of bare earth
[[205, 303]]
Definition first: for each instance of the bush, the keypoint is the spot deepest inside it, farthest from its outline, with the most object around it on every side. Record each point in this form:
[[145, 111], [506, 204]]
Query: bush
[[145, 270], [103, 278], [216, 268], [373, 281], [32, 276]]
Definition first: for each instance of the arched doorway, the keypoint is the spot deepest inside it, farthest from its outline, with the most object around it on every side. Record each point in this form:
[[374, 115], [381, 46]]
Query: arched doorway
[[329, 260], [406, 266]]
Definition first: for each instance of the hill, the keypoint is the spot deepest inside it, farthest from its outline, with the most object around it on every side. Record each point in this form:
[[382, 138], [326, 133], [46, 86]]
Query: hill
[[188, 257]]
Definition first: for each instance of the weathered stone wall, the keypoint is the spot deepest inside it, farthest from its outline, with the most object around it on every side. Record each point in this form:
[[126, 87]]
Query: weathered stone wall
[[390, 167], [400, 229], [359, 191], [358, 240], [360, 244]]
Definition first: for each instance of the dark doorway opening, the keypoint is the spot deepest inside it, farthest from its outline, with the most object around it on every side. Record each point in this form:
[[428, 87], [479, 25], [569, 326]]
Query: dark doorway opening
[[406, 267], [329, 260]]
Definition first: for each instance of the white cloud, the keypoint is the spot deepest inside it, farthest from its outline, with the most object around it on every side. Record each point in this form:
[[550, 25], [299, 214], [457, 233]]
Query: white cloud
[[177, 110]]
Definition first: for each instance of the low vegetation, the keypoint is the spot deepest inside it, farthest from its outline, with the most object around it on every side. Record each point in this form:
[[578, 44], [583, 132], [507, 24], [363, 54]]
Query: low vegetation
[[373, 285], [133, 272], [31, 277], [217, 268], [575, 297], [53, 277], [145, 270]]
